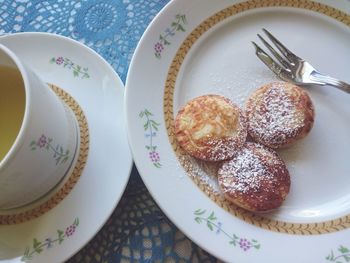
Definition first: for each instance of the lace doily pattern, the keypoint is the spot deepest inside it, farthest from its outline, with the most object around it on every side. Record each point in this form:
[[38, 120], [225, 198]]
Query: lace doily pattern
[[11, 16], [110, 27], [138, 231]]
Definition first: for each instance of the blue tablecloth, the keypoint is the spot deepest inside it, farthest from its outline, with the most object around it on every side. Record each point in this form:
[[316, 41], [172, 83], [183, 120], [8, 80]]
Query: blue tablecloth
[[137, 231]]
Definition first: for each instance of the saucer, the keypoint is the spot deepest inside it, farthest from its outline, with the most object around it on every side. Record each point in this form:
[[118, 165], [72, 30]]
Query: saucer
[[61, 231]]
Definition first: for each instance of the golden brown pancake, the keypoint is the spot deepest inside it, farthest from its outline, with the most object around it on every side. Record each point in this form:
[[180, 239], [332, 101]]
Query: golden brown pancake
[[279, 114], [210, 128], [256, 179]]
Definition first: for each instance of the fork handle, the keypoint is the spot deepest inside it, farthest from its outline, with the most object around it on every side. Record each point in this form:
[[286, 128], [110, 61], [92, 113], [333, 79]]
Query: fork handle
[[327, 80]]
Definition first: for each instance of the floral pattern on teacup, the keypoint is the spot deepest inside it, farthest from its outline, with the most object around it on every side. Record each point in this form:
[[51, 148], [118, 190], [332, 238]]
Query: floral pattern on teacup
[[44, 143]]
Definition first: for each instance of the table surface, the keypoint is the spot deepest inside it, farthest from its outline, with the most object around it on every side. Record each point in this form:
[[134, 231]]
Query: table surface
[[137, 231]]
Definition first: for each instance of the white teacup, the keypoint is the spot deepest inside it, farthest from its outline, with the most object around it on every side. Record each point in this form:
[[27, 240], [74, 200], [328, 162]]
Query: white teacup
[[38, 134]]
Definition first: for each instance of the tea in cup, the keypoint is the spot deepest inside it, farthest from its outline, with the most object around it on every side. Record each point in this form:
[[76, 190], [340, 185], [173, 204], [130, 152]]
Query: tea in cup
[[39, 135]]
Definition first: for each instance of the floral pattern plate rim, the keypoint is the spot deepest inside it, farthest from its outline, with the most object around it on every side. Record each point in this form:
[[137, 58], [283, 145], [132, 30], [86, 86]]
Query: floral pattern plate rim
[[90, 80], [173, 43]]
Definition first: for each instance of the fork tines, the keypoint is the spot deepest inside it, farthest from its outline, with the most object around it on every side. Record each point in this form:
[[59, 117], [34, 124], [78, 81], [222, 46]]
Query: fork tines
[[291, 68], [286, 59]]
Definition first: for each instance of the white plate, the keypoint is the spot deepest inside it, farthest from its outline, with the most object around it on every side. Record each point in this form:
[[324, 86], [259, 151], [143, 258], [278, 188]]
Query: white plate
[[199, 47], [100, 92]]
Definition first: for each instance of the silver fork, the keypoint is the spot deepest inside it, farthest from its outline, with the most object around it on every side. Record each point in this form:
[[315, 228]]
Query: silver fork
[[292, 68]]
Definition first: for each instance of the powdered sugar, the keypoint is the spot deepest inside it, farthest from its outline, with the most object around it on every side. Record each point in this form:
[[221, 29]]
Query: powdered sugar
[[273, 115], [244, 173], [238, 85], [249, 170], [205, 172]]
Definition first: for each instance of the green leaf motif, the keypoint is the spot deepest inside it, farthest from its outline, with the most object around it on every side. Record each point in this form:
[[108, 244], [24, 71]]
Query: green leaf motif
[[233, 239], [151, 126], [157, 165], [77, 70], [331, 256], [177, 25], [212, 217], [343, 249], [154, 125], [180, 28], [59, 155], [166, 42], [148, 113], [257, 246], [60, 233], [344, 255], [39, 246], [36, 243], [198, 220], [199, 212], [32, 145]]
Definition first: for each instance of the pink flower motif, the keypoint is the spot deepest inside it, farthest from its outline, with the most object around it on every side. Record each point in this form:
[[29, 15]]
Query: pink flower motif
[[70, 230], [244, 244], [59, 60], [158, 47], [154, 156], [42, 141]]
